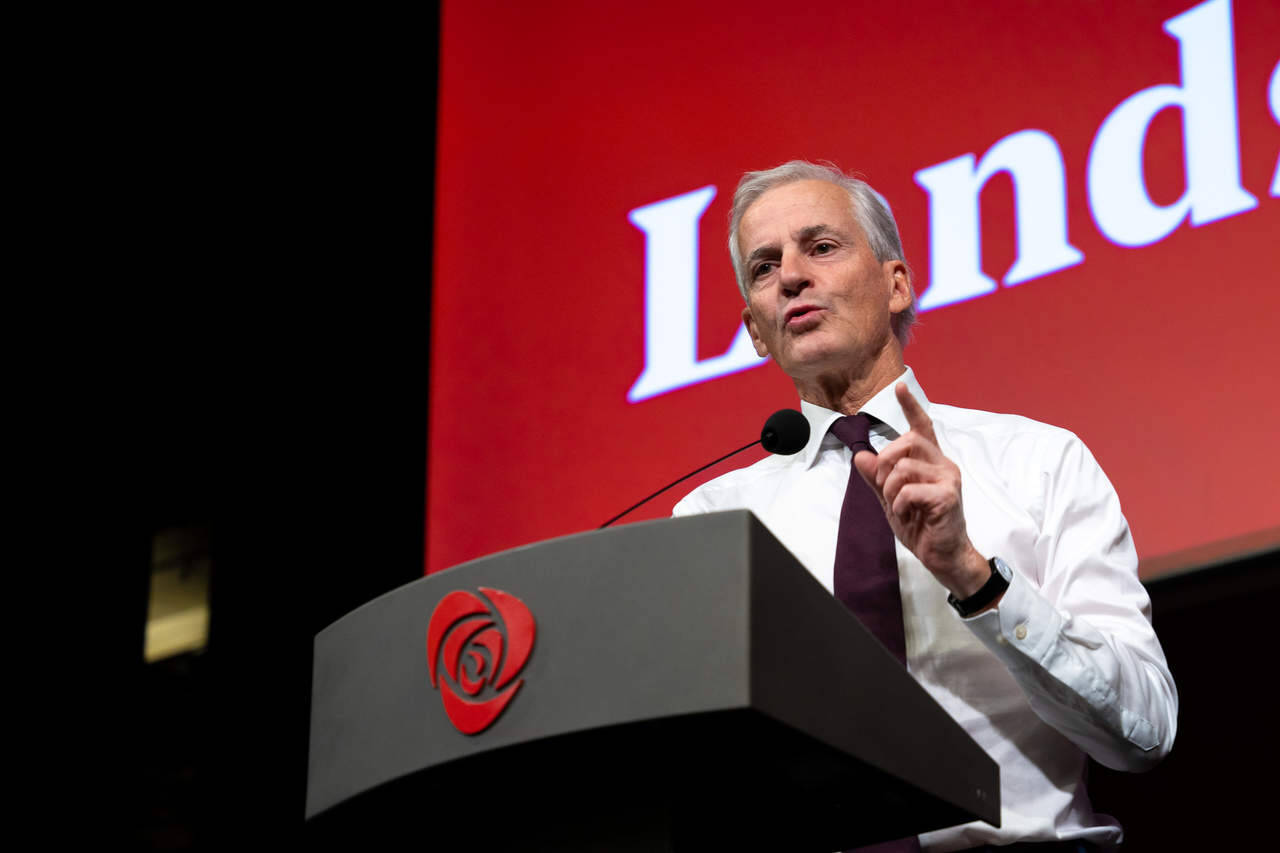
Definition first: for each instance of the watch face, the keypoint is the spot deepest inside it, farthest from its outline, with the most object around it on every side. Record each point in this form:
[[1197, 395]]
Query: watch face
[[1003, 568]]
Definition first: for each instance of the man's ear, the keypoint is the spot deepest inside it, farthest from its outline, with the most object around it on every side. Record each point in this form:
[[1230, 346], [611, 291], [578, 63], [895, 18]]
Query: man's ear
[[750, 323], [899, 281]]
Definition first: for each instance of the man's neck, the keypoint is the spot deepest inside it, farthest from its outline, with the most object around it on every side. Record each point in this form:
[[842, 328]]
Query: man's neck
[[847, 392]]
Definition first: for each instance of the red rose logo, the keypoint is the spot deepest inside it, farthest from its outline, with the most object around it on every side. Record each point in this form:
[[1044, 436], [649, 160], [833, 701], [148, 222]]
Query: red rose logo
[[466, 643]]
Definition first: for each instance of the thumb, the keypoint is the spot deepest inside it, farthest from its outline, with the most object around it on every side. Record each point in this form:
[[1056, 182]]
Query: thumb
[[865, 462]]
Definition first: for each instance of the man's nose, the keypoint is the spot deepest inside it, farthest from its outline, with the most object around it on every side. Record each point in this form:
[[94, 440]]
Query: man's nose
[[793, 273]]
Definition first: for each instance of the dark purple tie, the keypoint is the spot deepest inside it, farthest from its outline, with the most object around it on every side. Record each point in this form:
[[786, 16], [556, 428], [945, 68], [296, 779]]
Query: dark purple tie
[[866, 569]]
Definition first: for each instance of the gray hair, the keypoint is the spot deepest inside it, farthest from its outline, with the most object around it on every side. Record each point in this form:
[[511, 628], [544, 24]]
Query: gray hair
[[869, 209]]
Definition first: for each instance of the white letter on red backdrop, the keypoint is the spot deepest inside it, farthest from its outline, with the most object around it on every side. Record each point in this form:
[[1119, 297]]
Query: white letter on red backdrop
[[1034, 161], [1273, 98], [671, 361], [1118, 195]]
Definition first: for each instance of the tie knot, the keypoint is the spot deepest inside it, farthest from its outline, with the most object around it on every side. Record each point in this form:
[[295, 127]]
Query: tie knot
[[854, 431]]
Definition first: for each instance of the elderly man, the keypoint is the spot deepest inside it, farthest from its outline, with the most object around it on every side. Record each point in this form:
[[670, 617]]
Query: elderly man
[[987, 551]]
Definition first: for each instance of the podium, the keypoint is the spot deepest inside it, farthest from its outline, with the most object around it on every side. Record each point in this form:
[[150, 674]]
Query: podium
[[676, 685]]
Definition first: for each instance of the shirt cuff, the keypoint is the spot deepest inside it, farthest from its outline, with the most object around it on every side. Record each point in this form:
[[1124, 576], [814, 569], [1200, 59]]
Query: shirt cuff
[[1024, 625]]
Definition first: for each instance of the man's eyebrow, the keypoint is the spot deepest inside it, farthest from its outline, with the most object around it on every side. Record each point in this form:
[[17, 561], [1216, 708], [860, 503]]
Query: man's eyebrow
[[805, 235], [760, 252]]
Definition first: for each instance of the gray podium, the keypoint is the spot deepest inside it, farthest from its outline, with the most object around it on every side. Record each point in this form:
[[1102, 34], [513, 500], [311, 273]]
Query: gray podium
[[689, 686]]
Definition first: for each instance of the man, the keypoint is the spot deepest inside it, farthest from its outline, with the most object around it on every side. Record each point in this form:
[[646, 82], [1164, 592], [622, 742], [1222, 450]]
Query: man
[[1021, 610]]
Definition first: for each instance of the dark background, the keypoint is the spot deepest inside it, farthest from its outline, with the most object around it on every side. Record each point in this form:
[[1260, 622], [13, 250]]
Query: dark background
[[265, 189], [258, 259]]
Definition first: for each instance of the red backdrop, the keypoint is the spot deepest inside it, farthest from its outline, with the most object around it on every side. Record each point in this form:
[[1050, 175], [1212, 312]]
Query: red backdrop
[[556, 119]]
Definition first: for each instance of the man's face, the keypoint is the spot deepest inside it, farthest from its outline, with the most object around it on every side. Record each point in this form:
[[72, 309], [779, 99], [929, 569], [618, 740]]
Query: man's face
[[818, 300]]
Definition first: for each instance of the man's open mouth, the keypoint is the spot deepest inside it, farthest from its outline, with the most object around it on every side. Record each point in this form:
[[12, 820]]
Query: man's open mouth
[[800, 312]]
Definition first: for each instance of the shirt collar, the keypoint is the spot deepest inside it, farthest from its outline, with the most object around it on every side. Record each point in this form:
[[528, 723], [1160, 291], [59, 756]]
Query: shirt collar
[[883, 407]]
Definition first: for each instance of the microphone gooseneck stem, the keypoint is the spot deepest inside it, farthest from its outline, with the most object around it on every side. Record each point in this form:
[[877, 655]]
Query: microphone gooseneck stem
[[676, 483]]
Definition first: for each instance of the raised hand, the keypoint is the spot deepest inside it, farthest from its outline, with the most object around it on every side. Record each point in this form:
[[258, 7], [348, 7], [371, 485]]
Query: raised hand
[[919, 488]]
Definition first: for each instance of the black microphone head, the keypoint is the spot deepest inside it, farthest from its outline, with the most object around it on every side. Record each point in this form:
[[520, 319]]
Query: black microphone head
[[786, 432]]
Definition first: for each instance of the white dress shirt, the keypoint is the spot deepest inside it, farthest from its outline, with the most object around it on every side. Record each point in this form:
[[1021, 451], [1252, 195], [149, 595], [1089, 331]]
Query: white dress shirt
[[1067, 664]]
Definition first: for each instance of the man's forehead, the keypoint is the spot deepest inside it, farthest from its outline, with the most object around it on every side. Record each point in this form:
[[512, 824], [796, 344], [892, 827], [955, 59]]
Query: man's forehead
[[797, 210]]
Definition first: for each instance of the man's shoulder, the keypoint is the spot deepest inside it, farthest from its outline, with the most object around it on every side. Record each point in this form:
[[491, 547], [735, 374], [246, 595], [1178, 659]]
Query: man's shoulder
[[997, 426], [733, 489], [1016, 449]]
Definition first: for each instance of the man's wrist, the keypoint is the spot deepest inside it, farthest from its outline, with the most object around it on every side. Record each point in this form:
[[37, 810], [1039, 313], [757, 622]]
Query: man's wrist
[[989, 595], [972, 573]]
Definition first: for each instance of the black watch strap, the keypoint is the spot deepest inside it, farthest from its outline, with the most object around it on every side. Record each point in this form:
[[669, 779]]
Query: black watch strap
[[995, 585]]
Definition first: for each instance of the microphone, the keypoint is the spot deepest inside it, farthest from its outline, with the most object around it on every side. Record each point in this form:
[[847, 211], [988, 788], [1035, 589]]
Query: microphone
[[785, 433]]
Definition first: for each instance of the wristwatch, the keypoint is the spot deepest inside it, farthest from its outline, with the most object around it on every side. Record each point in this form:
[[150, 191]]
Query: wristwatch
[[1001, 574]]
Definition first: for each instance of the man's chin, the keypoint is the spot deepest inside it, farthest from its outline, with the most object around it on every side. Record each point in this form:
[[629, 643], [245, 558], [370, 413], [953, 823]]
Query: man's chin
[[810, 362], [814, 360]]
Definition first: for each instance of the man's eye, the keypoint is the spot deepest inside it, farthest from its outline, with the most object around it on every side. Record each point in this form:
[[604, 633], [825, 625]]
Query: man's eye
[[823, 248], [762, 270]]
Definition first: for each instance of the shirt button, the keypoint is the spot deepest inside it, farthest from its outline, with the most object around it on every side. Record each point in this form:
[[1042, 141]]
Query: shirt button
[[1020, 632], [1001, 640]]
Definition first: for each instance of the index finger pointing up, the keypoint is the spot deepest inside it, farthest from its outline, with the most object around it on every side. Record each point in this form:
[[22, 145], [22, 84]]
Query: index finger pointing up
[[916, 417]]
